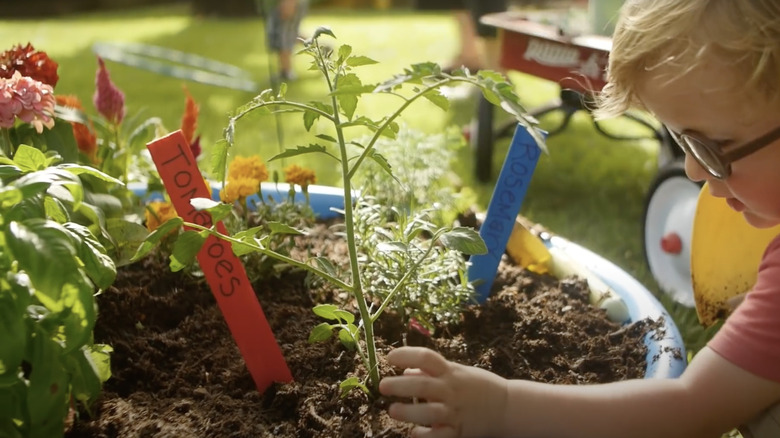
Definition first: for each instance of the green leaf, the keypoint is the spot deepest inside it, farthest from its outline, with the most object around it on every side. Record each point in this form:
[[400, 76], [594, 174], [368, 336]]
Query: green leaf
[[98, 265], [13, 332], [348, 89], [154, 238], [280, 228], [344, 316], [78, 169], [348, 337], [465, 240], [10, 196], [185, 249], [47, 395], [29, 159], [326, 265], [344, 51], [85, 381], [101, 360], [217, 210], [309, 117], [219, 153], [350, 384], [327, 138], [127, 237], [44, 249], [327, 311], [9, 171], [390, 247], [299, 151], [357, 61], [322, 332], [55, 210], [437, 99]]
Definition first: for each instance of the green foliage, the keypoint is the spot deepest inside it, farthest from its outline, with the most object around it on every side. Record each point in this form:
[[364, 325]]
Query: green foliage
[[420, 179], [437, 288], [351, 142], [51, 268]]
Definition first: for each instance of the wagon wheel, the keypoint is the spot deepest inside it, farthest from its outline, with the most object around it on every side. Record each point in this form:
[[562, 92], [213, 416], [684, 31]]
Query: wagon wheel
[[670, 206]]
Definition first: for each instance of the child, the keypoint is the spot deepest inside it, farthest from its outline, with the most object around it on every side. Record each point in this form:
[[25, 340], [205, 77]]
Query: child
[[710, 71], [283, 21]]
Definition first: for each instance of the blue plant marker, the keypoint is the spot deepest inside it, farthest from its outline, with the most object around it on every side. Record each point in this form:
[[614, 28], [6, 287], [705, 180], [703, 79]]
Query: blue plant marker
[[508, 195]]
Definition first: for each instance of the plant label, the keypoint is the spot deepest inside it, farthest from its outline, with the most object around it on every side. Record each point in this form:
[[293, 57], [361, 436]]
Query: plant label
[[224, 271], [504, 206]]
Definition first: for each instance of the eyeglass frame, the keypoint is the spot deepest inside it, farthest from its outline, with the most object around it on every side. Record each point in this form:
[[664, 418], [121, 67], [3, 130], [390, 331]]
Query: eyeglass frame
[[725, 155]]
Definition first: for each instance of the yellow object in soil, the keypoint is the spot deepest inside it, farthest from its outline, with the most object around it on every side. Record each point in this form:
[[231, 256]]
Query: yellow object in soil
[[527, 250], [725, 254]]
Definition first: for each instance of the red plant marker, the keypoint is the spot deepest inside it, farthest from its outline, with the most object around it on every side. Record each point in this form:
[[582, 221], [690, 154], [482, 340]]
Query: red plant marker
[[223, 270]]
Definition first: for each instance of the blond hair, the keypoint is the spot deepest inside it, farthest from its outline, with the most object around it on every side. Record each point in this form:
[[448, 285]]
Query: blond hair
[[684, 34]]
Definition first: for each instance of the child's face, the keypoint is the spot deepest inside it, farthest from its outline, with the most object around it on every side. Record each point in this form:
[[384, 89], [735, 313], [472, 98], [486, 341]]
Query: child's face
[[704, 101]]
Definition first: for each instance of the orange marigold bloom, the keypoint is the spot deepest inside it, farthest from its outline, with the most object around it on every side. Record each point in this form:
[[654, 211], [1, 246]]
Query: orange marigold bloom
[[157, 212], [295, 174], [247, 167], [238, 189], [84, 135], [189, 121]]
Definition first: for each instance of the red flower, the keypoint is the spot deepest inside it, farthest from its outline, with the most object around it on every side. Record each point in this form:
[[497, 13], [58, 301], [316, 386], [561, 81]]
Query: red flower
[[30, 63], [108, 99], [195, 147]]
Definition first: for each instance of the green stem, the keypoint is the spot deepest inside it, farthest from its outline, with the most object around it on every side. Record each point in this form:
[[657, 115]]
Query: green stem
[[357, 287], [270, 253], [6, 145]]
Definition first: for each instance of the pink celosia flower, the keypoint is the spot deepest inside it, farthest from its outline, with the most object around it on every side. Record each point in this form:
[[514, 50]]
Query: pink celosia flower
[[108, 99], [30, 100]]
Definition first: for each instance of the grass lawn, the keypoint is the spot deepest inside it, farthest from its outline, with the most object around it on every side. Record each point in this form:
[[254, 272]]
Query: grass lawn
[[589, 189]]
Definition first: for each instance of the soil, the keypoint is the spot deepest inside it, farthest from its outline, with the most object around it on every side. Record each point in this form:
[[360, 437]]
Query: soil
[[178, 373]]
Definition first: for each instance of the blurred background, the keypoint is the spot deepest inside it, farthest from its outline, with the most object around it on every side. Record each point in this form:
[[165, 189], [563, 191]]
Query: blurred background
[[589, 189]]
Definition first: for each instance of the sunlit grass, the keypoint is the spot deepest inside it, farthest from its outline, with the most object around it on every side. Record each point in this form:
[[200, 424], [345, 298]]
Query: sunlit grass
[[589, 189]]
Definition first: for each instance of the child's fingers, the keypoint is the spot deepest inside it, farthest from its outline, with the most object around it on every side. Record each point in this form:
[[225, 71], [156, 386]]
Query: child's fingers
[[420, 386], [434, 432], [428, 361], [427, 414], [414, 372]]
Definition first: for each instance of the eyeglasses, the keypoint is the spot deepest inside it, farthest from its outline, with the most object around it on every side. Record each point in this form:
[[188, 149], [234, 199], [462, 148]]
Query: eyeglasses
[[716, 158]]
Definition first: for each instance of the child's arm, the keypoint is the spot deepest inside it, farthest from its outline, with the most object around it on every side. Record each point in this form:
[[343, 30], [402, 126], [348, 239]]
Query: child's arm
[[710, 398]]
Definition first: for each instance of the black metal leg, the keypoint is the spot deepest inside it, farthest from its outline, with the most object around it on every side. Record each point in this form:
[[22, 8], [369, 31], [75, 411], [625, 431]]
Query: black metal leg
[[483, 140]]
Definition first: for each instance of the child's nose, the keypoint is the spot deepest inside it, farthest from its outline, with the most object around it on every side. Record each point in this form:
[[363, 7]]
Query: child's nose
[[694, 170]]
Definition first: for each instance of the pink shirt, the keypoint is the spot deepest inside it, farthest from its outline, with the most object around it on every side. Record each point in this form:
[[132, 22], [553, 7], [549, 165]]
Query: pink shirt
[[750, 337]]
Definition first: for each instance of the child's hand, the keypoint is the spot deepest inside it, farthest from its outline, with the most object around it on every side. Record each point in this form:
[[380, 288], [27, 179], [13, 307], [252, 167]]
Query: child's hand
[[451, 400]]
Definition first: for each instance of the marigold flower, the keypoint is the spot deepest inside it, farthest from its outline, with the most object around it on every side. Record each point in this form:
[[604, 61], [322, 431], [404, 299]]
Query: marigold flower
[[84, 135], [157, 213], [30, 100], [29, 62], [238, 189], [294, 174], [247, 167], [108, 99]]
